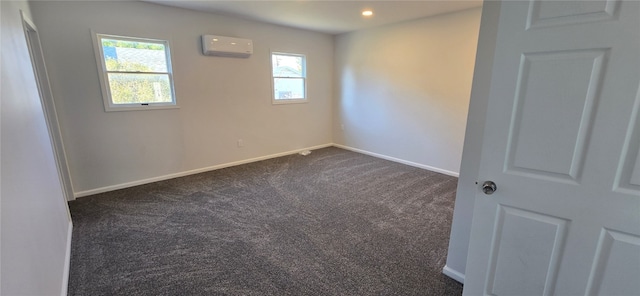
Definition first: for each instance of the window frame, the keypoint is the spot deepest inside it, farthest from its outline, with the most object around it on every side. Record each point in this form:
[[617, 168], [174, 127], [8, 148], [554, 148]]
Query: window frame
[[104, 77], [275, 101]]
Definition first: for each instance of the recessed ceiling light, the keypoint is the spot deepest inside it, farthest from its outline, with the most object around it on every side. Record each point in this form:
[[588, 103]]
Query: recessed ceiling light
[[367, 13]]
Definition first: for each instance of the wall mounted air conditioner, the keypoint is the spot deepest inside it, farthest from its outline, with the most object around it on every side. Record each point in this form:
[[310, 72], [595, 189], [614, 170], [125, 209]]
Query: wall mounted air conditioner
[[226, 46]]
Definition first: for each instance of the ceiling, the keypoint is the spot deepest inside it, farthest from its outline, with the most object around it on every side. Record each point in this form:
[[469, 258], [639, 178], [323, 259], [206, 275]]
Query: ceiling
[[327, 16]]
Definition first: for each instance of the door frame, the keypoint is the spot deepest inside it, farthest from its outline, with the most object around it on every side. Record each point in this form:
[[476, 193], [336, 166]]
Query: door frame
[[48, 105]]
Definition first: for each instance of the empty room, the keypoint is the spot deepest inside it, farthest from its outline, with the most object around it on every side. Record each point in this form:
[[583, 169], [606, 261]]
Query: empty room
[[320, 148]]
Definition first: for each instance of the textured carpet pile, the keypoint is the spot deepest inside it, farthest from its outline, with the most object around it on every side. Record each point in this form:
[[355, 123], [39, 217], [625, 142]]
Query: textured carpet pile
[[334, 222]]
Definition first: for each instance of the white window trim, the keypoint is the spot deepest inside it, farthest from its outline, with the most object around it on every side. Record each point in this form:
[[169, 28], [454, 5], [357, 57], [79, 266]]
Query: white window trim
[[104, 83], [274, 101]]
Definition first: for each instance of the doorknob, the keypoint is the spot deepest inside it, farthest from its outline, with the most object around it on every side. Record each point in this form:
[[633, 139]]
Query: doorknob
[[488, 187]]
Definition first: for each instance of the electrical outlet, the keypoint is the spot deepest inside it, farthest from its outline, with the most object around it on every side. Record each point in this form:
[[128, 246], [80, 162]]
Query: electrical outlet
[[240, 143], [342, 126]]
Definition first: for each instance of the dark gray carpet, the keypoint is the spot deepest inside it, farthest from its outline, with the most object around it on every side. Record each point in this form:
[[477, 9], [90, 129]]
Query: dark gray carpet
[[334, 222]]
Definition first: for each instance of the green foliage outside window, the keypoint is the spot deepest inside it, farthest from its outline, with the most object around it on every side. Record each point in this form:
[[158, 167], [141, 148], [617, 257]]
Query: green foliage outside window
[[130, 44], [137, 87]]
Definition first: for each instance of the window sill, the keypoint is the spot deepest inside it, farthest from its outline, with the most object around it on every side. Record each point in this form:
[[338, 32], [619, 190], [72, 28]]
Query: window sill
[[292, 101], [140, 108]]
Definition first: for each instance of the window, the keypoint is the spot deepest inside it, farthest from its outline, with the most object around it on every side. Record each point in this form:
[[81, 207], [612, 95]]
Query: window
[[289, 78], [135, 73]]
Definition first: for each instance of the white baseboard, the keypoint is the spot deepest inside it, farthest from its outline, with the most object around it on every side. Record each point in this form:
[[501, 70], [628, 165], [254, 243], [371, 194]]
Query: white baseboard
[[402, 161], [191, 172], [67, 261], [235, 163], [458, 276]]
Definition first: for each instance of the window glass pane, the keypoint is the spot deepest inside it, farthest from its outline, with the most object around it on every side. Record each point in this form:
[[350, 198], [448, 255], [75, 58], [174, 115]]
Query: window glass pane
[[287, 66], [139, 88], [288, 88], [121, 55]]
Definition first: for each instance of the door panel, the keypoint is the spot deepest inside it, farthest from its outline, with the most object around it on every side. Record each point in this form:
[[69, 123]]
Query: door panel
[[629, 169], [545, 13], [561, 142], [513, 249], [562, 86], [613, 273]]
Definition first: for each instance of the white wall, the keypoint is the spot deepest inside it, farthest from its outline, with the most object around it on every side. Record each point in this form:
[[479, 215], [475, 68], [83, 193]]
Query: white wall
[[467, 188], [221, 99], [403, 90], [35, 224]]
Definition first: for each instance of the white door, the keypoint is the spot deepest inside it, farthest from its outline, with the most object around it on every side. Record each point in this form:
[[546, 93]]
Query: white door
[[561, 143]]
